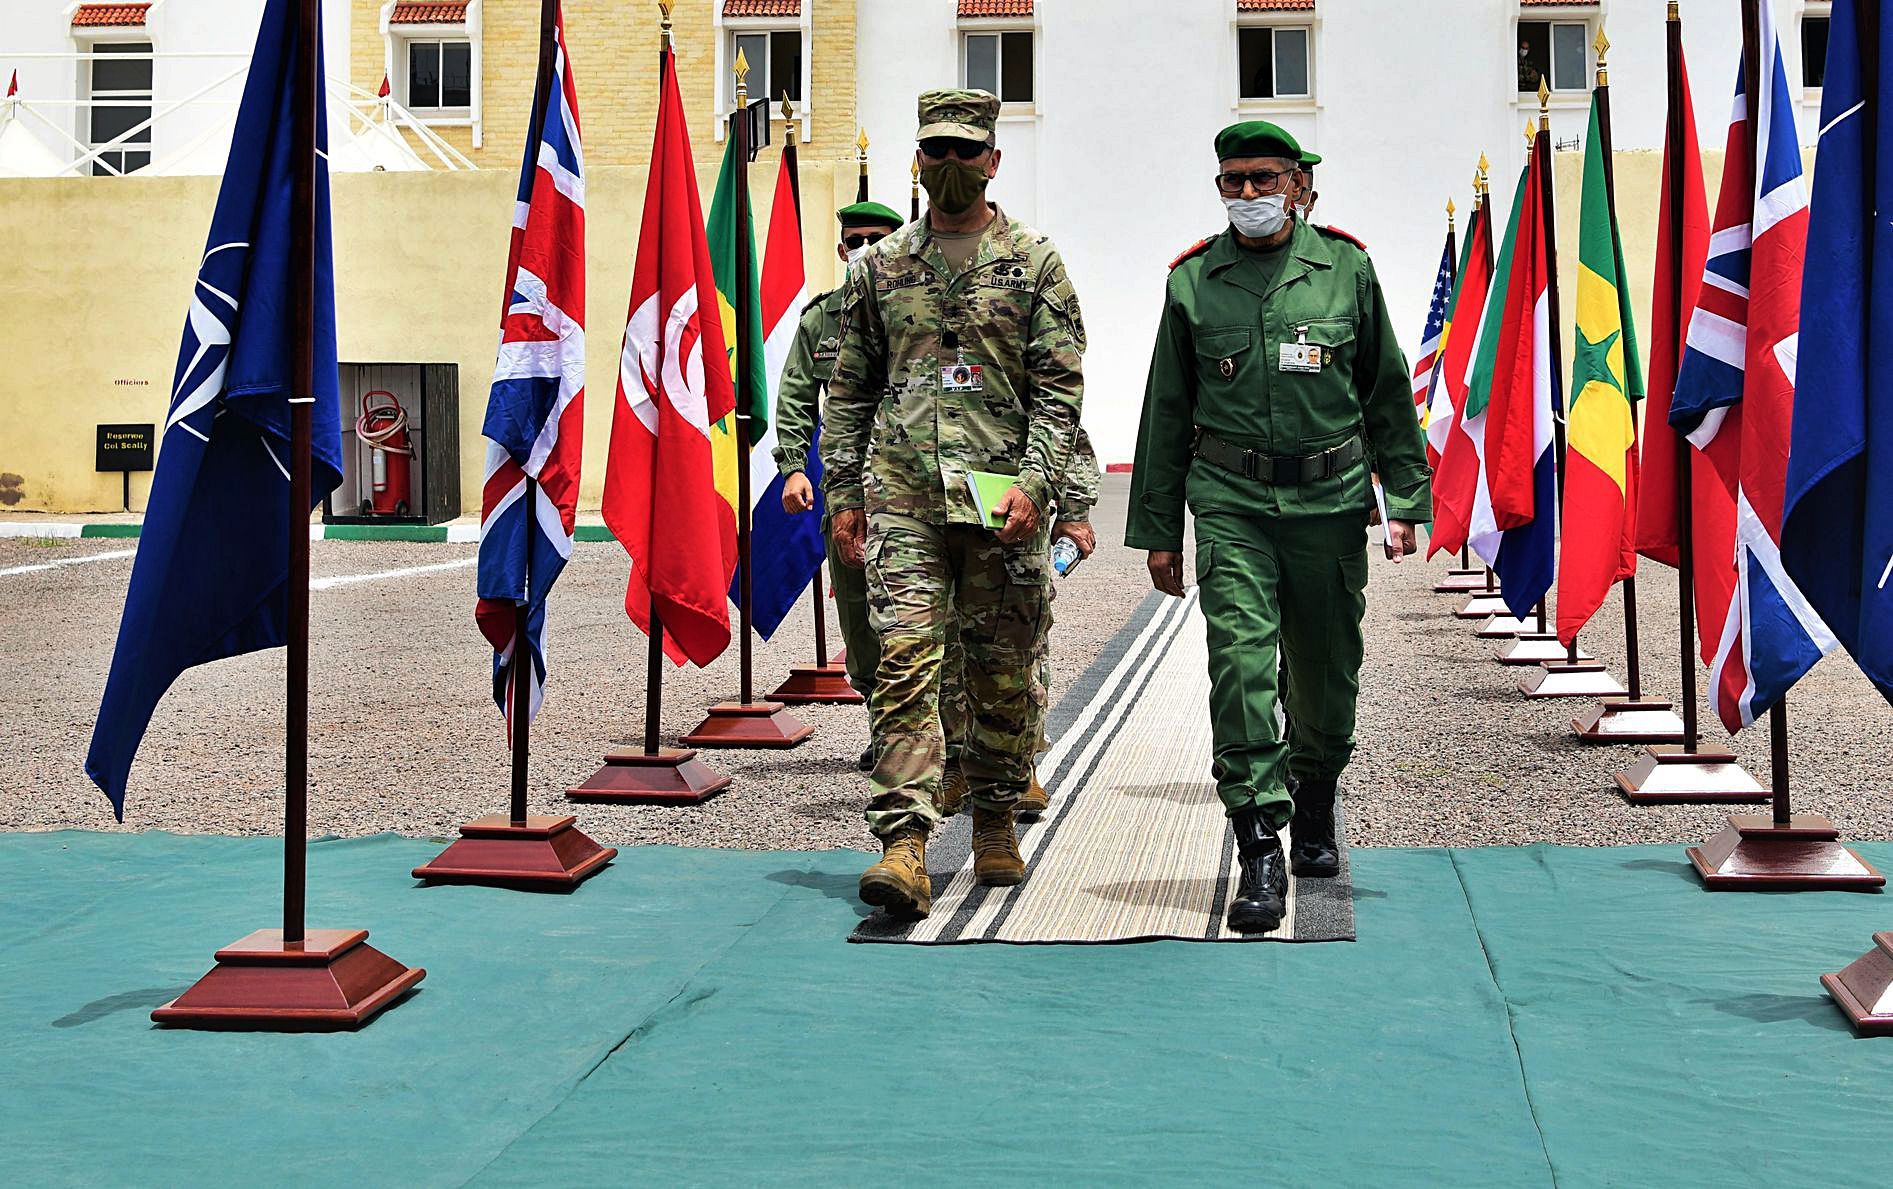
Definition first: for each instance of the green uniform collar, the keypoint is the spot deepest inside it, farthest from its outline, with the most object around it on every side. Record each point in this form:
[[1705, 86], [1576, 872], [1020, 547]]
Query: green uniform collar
[[1307, 252], [996, 243]]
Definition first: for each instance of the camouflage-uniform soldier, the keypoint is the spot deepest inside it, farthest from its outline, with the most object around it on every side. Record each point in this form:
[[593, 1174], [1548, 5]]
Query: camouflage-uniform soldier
[[1072, 520], [804, 374], [969, 325]]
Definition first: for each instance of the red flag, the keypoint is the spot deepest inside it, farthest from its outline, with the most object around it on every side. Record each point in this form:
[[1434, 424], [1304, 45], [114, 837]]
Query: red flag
[[385, 90], [1683, 217], [661, 501], [1444, 433], [13, 87]]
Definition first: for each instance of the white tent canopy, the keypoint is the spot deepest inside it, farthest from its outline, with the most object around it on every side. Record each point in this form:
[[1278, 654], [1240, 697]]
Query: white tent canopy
[[22, 153]]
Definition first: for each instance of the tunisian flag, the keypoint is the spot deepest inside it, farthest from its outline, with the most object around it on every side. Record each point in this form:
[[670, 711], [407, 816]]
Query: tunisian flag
[[660, 499]]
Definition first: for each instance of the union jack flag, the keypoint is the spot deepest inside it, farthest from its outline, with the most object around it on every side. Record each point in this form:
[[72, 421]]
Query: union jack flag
[[535, 411], [1427, 363], [1735, 399]]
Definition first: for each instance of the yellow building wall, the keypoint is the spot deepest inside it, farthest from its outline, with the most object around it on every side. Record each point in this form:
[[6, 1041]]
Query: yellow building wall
[[419, 261], [613, 46]]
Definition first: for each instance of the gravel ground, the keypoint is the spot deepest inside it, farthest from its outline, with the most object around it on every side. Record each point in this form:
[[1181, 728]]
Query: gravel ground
[[404, 737]]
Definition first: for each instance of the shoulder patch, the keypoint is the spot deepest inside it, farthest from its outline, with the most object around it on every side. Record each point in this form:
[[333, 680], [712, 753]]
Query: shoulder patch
[[1337, 233], [1194, 249]]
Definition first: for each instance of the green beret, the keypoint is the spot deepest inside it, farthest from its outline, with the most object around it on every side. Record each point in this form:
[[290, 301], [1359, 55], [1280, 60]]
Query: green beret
[[1309, 160], [868, 214], [1256, 138], [963, 115]]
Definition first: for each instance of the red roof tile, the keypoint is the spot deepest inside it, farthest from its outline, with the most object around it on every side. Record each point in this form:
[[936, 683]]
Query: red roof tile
[[95, 16], [995, 8], [1275, 5], [428, 14], [1557, 3], [762, 8]]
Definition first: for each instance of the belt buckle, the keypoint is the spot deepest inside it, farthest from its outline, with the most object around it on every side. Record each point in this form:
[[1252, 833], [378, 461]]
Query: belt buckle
[[1250, 464]]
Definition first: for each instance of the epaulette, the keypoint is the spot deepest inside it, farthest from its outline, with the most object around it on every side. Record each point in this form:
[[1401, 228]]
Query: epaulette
[[819, 298], [1194, 249], [1337, 233]]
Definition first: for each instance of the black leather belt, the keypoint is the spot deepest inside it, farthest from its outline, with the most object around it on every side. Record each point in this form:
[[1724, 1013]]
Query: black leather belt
[[1277, 472]]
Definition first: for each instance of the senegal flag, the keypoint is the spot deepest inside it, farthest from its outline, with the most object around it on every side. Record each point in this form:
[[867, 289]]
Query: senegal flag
[[1600, 486], [752, 393]]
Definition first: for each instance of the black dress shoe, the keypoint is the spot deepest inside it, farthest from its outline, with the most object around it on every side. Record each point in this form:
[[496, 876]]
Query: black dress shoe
[[1312, 851], [1262, 895], [866, 762]]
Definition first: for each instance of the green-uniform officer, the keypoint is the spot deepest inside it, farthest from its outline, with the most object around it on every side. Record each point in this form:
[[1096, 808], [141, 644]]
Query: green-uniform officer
[[1276, 375], [961, 352], [804, 375], [1305, 203]]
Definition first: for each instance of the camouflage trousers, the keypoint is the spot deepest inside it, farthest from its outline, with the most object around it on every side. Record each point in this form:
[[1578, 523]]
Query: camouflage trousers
[[956, 717], [923, 578]]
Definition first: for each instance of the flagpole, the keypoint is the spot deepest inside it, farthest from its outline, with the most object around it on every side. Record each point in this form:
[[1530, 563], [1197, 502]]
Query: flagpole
[[1685, 515], [654, 660], [913, 196], [1554, 343], [790, 162], [861, 155], [302, 252]]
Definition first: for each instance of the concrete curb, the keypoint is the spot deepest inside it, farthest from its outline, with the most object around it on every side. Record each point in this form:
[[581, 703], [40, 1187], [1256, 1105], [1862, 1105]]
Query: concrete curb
[[453, 534]]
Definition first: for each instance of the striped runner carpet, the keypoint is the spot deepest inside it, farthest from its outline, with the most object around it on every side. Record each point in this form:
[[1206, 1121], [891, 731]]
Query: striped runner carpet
[[1134, 846]]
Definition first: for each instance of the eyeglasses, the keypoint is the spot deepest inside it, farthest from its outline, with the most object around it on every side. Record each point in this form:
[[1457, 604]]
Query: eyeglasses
[[851, 242], [942, 147], [1265, 181]]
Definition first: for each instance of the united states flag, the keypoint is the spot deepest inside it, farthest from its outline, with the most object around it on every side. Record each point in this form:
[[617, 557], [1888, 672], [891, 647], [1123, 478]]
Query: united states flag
[[535, 411], [1735, 400], [1426, 364]]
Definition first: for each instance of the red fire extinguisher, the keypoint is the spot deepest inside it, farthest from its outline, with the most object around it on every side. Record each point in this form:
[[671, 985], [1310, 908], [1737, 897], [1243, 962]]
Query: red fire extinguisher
[[383, 425]]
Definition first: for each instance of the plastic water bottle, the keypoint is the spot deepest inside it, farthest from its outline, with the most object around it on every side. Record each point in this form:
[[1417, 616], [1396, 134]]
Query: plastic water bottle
[[1064, 556]]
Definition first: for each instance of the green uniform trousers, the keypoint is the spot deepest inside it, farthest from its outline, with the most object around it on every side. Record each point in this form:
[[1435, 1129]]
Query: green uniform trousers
[[1297, 584], [922, 578], [851, 610]]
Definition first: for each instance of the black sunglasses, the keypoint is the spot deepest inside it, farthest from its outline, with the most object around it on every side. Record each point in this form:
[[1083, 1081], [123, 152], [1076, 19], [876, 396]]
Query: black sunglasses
[[942, 147], [854, 241], [1265, 181]]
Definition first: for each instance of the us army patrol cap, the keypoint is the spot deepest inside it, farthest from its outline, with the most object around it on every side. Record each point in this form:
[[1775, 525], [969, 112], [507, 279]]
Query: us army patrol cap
[[1258, 138], [963, 115], [868, 214]]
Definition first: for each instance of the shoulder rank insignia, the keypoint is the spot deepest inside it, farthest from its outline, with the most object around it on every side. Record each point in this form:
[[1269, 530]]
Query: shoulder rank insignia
[[1194, 249], [1337, 233]]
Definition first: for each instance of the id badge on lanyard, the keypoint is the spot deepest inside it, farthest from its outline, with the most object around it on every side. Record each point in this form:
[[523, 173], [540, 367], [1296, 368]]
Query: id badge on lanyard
[[1300, 355]]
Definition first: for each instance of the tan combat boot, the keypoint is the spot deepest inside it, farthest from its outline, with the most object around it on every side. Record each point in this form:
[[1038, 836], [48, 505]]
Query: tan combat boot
[[898, 884], [952, 789], [996, 861], [1035, 801]]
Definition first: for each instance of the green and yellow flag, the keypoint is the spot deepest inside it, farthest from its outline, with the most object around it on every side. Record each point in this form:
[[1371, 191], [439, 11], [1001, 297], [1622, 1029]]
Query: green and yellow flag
[[1600, 485], [751, 392]]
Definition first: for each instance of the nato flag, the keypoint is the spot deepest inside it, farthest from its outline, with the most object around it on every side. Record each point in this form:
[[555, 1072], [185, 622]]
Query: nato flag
[[1837, 524], [211, 577]]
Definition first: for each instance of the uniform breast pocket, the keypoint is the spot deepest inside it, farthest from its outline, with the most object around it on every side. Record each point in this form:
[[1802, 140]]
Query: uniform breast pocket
[[1330, 403], [1224, 356]]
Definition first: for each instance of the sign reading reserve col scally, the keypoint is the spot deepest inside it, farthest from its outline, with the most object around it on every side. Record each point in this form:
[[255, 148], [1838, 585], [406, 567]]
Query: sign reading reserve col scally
[[125, 447]]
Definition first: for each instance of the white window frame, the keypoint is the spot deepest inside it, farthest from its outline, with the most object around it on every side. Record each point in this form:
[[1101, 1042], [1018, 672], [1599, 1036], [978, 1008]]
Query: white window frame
[[1305, 19], [86, 41], [994, 26], [1820, 10], [726, 29], [1587, 15], [395, 39]]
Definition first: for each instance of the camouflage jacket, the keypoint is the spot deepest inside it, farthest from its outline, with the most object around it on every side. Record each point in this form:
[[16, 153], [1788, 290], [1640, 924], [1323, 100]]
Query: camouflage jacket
[[938, 375]]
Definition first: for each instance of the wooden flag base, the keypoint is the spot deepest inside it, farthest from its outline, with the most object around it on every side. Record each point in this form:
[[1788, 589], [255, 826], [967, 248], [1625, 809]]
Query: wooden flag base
[[1503, 626], [749, 724], [1668, 775], [668, 776], [1460, 582], [1629, 720], [1753, 853], [1483, 604], [327, 982], [1537, 648], [817, 683], [839, 660], [1569, 679], [1864, 991], [545, 852]]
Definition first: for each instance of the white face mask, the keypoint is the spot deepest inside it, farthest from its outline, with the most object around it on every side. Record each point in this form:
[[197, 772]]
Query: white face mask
[[1258, 218], [855, 254]]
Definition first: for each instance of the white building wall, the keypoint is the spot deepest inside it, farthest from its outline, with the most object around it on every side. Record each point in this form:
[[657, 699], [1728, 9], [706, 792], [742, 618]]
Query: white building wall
[[1115, 165]]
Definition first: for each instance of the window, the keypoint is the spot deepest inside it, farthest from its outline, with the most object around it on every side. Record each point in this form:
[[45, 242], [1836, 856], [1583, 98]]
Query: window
[[120, 89], [1558, 50], [1273, 62], [1000, 63], [440, 75], [1813, 51], [775, 62]]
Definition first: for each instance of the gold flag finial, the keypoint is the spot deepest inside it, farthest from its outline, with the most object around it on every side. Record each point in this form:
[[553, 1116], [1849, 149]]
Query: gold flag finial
[[1449, 210], [1485, 166], [788, 121], [1531, 129], [1544, 94], [663, 6], [861, 144], [742, 79], [913, 170], [1601, 45]]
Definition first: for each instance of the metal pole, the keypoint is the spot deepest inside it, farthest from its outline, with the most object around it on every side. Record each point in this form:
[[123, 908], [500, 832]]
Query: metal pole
[[522, 680], [1778, 760], [745, 354], [654, 682], [1554, 347], [791, 161], [1685, 516], [302, 295]]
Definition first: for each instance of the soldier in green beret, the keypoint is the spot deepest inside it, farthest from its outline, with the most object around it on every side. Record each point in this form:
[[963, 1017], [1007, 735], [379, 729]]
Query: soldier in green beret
[[1276, 377], [960, 358], [804, 374], [1306, 206]]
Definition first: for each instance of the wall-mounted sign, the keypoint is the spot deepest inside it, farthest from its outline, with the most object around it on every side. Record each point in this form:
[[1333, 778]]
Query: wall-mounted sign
[[126, 447]]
